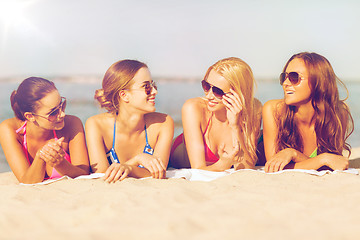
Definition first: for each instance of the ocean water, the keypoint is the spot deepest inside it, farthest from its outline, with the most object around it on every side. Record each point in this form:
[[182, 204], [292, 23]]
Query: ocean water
[[172, 93]]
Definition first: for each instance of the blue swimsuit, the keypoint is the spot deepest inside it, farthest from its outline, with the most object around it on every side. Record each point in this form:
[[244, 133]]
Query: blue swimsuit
[[111, 154]]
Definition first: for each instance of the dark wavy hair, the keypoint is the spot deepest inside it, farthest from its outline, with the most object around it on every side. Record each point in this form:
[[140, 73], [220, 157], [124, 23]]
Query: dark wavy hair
[[117, 78], [26, 97], [333, 120]]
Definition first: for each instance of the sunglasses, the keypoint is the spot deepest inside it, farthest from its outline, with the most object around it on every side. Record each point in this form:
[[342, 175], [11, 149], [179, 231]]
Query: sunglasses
[[148, 86], [216, 91], [54, 114], [293, 77]]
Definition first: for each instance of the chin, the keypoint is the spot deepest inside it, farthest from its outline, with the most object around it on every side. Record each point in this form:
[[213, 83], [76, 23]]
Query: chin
[[59, 125]]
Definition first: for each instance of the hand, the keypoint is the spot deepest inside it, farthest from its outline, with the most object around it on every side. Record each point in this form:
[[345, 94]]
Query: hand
[[116, 172], [52, 153], [234, 106], [336, 162], [279, 160], [231, 156], [153, 164]]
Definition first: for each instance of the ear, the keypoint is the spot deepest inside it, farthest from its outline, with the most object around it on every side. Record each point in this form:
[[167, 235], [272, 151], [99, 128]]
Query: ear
[[124, 95], [29, 116]]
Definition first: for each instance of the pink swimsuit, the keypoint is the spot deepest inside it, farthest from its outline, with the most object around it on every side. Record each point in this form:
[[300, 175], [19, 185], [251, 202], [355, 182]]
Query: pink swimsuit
[[54, 173], [210, 157]]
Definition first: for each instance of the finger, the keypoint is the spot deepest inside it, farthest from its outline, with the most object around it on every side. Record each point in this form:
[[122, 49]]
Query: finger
[[108, 172], [111, 176], [233, 101], [125, 174], [282, 166], [239, 99], [60, 141], [158, 169], [118, 174]]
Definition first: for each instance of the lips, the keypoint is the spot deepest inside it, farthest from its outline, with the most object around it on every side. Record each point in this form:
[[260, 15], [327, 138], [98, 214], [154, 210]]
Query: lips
[[212, 104], [151, 100]]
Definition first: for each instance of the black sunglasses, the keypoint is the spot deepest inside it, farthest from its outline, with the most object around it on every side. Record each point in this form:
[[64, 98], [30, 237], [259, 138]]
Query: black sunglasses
[[293, 77], [216, 91]]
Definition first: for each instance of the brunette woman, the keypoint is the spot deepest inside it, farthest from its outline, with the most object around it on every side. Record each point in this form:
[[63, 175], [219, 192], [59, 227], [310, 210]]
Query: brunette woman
[[308, 128]]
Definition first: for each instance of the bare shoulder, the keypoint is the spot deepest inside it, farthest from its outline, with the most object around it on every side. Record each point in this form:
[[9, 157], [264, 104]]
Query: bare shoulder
[[274, 106], [195, 106], [158, 118], [11, 124], [100, 121]]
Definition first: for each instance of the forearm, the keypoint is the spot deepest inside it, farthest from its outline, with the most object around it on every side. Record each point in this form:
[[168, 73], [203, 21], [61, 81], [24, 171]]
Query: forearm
[[311, 163], [138, 172], [68, 169], [35, 173]]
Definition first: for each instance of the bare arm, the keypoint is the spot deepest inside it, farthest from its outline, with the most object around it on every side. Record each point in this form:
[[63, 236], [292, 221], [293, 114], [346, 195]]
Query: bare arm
[[15, 156], [77, 148], [96, 148]]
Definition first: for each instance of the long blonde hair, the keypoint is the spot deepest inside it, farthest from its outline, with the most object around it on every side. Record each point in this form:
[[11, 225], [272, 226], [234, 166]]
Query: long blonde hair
[[118, 77], [240, 77]]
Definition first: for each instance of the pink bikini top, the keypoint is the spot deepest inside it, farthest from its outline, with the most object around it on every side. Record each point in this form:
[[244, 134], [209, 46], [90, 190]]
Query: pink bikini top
[[54, 173]]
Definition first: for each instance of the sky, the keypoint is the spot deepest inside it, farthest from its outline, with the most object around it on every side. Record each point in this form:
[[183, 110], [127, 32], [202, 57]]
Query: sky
[[175, 38]]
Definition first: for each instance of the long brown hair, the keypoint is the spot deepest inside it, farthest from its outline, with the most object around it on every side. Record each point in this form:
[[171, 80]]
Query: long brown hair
[[332, 117], [117, 78], [240, 77]]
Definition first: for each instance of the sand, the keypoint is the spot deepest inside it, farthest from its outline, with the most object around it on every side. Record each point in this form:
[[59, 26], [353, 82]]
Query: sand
[[243, 205]]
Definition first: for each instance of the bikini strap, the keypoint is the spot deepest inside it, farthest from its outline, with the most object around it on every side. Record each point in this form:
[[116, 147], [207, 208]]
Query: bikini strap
[[113, 145], [23, 127], [147, 149], [208, 123]]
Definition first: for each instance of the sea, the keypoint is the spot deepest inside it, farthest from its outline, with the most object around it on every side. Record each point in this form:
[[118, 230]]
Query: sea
[[172, 93]]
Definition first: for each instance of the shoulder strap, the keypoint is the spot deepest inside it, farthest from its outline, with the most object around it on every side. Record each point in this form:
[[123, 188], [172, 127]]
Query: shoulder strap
[[113, 145]]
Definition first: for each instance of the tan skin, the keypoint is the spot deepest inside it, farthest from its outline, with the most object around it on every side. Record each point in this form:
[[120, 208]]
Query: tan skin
[[44, 151], [299, 96], [136, 109], [225, 121]]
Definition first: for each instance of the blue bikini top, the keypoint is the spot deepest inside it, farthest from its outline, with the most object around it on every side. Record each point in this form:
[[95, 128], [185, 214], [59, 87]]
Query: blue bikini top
[[111, 154]]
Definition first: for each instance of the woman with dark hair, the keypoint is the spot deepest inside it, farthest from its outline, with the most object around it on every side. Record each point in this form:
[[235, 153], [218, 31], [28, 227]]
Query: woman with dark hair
[[41, 142], [130, 139], [309, 127]]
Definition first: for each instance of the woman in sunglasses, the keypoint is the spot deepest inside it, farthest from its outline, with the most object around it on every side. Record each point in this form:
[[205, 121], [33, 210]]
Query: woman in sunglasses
[[130, 139], [309, 127], [221, 129], [41, 142]]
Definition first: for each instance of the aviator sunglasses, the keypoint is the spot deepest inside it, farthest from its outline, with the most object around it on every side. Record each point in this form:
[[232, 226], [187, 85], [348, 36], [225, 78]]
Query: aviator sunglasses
[[293, 77], [216, 91], [148, 86], [54, 114]]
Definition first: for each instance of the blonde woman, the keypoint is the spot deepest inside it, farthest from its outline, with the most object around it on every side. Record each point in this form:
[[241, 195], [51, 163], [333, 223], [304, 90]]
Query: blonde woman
[[130, 139], [221, 130]]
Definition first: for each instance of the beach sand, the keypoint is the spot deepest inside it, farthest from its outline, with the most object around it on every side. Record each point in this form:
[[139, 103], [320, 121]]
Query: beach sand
[[244, 205]]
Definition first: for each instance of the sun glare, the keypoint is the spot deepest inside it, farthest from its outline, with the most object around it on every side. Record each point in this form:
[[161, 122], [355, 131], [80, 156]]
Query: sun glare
[[12, 12]]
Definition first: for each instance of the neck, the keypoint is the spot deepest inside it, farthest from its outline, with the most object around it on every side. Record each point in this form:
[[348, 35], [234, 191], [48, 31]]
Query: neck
[[220, 115], [129, 121], [305, 113], [37, 132]]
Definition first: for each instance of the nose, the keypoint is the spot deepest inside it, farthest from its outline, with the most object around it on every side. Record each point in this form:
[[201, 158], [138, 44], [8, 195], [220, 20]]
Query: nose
[[209, 94], [287, 81], [154, 91], [62, 113]]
